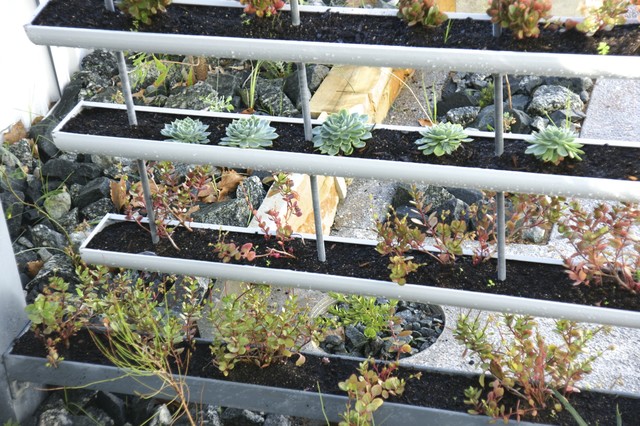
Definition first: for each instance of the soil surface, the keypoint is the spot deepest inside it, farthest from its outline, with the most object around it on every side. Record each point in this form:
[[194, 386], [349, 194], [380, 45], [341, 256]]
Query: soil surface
[[433, 389], [524, 279], [598, 161], [336, 28]]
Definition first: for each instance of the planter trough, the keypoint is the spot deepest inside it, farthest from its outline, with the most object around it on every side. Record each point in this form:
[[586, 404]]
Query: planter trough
[[453, 176], [345, 284], [486, 61]]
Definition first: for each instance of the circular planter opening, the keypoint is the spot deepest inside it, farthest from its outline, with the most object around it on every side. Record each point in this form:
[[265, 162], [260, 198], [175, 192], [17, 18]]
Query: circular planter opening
[[415, 324]]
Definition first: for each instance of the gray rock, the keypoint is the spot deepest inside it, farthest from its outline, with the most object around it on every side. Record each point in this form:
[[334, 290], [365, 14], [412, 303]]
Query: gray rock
[[315, 75], [43, 236], [58, 265], [162, 417], [539, 123], [463, 115], [96, 210], [355, 337], [238, 417], [9, 159], [407, 315], [469, 196], [100, 62], [13, 211], [527, 84], [57, 204], [273, 100], [561, 117], [535, 235], [233, 212], [575, 84], [55, 417], [479, 81], [486, 120], [225, 84], [465, 98], [70, 172], [69, 221], [23, 151], [189, 97], [518, 102], [93, 191], [113, 406], [277, 420], [77, 238], [547, 99], [434, 195]]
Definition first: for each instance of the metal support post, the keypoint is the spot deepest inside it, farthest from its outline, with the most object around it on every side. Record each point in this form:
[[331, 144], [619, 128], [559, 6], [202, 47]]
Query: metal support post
[[142, 166], [499, 149], [18, 400], [306, 116]]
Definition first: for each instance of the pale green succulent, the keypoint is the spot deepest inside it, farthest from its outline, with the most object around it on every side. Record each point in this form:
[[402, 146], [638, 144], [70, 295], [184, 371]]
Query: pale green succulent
[[555, 143], [252, 132], [441, 139], [186, 130], [342, 131]]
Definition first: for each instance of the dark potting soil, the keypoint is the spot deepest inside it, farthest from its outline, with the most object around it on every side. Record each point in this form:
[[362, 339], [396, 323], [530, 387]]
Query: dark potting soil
[[335, 28], [524, 279], [598, 161], [434, 389]]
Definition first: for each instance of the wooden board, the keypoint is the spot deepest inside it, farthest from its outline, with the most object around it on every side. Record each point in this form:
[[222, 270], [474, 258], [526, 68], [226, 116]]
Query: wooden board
[[368, 90]]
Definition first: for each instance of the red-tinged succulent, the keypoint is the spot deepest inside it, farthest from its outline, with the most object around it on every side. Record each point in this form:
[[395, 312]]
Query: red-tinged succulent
[[520, 16], [143, 10], [424, 12], [262, 8]]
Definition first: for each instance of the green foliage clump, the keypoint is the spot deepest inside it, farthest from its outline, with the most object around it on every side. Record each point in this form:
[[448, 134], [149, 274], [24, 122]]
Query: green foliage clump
[[342, 131], [605, 17], [553, 144], [186, 130], [248, 328], [252, 132], [143, 10], [355, 309], [424, 12], [520, 16], [441, 139]]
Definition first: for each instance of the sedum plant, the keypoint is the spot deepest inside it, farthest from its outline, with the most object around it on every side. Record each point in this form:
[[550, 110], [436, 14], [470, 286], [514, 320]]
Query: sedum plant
[[262, 8], [186, 130], [342, 132], [523, 364], [520, 16], [424, 12], [553, 144], [603, 18], [143, 10], [441, 139], [252, 132]]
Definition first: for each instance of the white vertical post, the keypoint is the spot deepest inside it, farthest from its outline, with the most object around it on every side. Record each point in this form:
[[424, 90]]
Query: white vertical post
[[17, 400]]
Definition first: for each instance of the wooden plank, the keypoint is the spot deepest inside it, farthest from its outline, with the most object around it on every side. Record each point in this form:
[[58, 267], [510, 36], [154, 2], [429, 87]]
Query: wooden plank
[[368, 90]]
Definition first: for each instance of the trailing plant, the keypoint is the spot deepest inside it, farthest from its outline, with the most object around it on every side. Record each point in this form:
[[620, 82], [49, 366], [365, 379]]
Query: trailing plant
[[553, 144], [423, 12], [251, 132], [368, 390], [354, 309], [249, 328], [262, 8], [441, 139], [604, 17], [522, 363], [56, 316], [186, 130], [143, 10], [397, 237], [342, 132], [520, 16], [606, 243], [146, 338]]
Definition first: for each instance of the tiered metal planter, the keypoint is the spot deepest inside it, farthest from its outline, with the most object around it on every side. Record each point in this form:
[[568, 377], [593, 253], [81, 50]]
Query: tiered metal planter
[[307, 403]]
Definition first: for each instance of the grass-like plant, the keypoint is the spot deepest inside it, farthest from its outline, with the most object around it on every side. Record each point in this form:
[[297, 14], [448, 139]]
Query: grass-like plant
[[520, 16], [423, 12], [553, 144], [342, 132], [143, 10], [523, 364], [186, 130], [441, 139], [251, 132]]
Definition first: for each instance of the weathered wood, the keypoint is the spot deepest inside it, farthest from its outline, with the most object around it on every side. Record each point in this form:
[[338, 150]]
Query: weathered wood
[[367, 90]]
